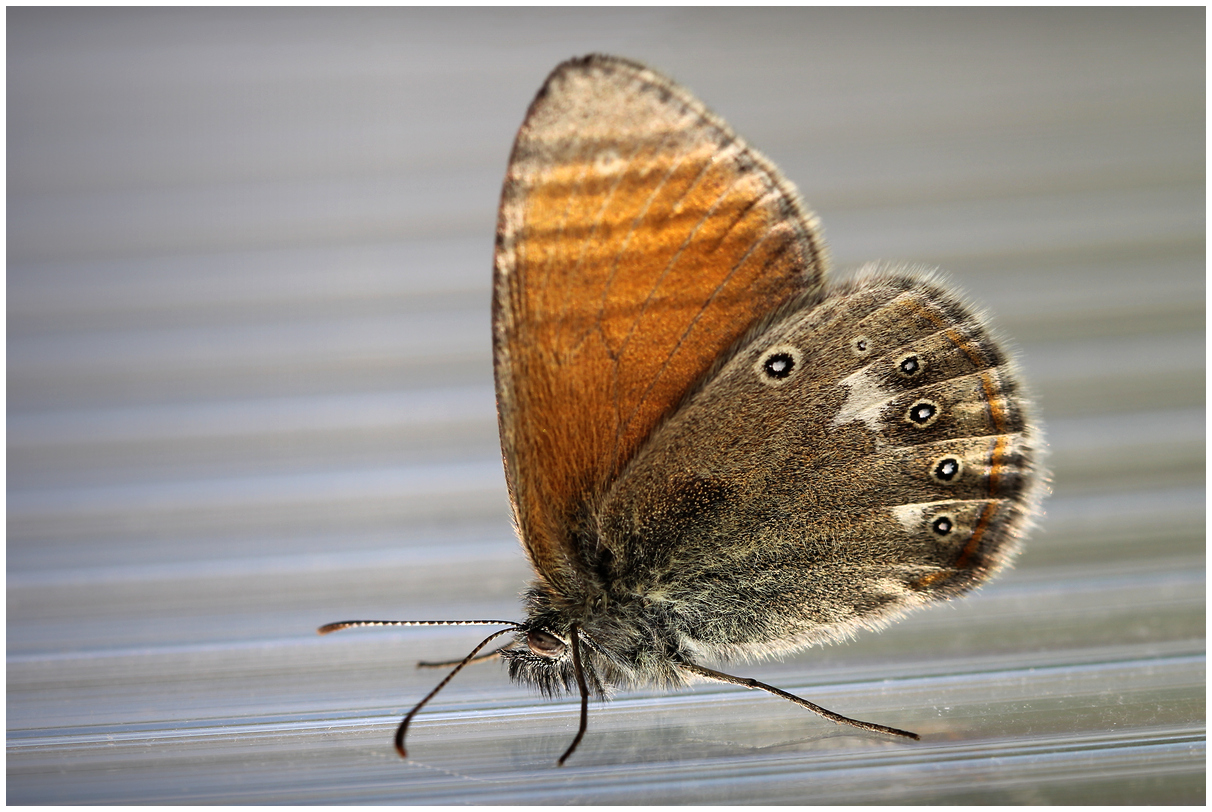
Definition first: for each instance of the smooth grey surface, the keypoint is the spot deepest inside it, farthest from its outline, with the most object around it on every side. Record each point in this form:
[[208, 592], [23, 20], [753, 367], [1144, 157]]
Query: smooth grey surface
[[250, 392]]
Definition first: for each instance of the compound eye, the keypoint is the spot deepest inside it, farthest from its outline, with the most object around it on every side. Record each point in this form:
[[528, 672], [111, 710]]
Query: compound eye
[[544, 644]]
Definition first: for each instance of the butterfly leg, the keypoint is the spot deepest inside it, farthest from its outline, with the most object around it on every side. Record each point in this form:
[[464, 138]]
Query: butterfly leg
[[403, 728], [479, 658], [748, 682], [574, 641]]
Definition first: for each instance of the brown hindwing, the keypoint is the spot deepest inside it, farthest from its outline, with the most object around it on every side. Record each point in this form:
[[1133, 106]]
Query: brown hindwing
[[861, 456]]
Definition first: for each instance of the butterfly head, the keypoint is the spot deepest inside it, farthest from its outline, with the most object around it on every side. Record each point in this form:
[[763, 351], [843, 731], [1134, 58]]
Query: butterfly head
[[544, 659], [541, 654]]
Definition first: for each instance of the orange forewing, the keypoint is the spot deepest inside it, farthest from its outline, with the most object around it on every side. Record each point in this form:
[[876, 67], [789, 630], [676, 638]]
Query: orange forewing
[[638, 239]]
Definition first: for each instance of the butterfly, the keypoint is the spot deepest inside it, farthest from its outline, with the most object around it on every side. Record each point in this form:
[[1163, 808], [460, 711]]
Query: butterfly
[[714, 453]]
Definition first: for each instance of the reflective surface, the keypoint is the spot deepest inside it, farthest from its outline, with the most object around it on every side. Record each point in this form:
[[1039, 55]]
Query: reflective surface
[[250, 392]]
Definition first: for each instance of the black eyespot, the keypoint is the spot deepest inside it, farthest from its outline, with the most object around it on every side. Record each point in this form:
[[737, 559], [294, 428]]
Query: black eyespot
[[909, 367], [860, 345], [946, 469], [778, 365], [942, 525], [922, 413], [544, 644]]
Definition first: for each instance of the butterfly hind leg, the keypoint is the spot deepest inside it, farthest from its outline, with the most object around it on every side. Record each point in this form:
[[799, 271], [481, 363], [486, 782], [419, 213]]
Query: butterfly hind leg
[[748, 682]]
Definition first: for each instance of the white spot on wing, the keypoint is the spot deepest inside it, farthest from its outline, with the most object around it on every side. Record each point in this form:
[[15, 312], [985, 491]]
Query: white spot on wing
[[910, 516], [865, 400]]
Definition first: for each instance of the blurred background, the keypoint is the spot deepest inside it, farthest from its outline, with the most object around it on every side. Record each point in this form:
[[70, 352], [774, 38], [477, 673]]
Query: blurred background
[[250, 392]]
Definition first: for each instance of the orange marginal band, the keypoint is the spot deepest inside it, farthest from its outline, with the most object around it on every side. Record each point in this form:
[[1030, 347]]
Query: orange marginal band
[[998, 417]]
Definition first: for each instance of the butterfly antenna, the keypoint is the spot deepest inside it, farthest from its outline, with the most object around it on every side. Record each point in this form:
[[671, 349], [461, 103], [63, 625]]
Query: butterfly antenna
[[347, 624], [575, 642], [803, 703], [403, 728]]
